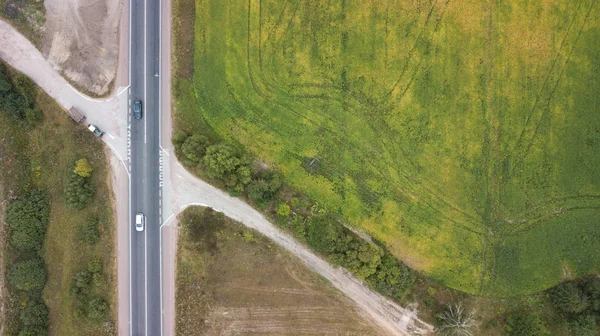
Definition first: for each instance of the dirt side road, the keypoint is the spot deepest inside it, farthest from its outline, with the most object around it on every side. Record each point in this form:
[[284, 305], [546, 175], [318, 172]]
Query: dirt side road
[[81, 41]]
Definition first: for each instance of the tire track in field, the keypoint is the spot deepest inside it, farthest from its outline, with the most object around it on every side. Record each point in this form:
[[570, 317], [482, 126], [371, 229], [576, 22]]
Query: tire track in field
[[554, 207], [413, 49], [525, 140], [470, 218], [436, 201]]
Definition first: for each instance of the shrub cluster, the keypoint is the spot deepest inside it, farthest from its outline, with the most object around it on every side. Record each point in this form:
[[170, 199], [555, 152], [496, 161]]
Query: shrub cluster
[[28, 217], [579, 301], [79, 191], [578, 304], [229, 165], [89, 302], [367, 261], [17, 96]]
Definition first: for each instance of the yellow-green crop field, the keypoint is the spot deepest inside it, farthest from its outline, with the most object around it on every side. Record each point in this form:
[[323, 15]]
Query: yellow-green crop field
[[464, 134]]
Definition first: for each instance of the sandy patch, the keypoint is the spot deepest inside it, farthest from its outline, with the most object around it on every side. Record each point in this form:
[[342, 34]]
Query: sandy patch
[[81, 41]]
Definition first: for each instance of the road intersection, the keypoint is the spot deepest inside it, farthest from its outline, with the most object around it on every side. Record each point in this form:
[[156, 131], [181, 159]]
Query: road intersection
[[147, 178]]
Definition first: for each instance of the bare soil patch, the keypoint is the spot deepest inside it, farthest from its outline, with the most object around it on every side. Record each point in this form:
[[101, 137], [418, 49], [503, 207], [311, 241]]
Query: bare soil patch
[[81, 40], [233, 281]]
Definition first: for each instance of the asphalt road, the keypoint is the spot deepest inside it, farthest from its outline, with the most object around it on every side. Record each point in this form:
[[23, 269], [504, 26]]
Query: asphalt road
[[144, 189]]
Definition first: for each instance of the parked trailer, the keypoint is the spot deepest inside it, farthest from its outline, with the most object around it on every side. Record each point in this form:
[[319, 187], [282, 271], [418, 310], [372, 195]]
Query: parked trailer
[[76, 114]]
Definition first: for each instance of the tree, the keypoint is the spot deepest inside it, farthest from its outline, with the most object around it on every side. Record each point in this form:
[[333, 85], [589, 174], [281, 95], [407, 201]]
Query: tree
[[28, 218], [26, 88], [28, 234], [455, 321], [592, 290], [35, 314], [526, 324], [583, 325], [33, 331], [97, 308], [283, 210], [32, 203], [392, 278], [263, 190], [14, 105], [78, 191], [221, 159], [569, 298], [194, 147], [179, 138], [28, 275], [83, 168]]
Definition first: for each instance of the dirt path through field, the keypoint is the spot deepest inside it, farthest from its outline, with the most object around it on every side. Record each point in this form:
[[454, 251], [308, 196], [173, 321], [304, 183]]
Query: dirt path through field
[[81, 41]]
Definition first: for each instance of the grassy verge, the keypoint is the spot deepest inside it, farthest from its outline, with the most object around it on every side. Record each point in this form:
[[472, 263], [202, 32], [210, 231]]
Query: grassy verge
[[43, 156], [233, 280]]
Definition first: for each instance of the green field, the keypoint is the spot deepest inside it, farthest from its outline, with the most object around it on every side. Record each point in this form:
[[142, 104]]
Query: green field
[[462, 134]]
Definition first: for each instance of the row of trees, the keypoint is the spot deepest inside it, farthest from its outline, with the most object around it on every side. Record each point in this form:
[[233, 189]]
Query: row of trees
[[88, 284], [17, 97], [27, 218], [367, 261]]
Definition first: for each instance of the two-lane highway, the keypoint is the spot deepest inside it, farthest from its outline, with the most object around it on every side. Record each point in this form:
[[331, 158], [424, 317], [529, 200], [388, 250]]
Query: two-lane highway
[[144, 183]]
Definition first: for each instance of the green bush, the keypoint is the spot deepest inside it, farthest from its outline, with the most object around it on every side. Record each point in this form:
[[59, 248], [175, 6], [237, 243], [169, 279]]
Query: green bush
[[223, 162], [35, 314], [82, 283], [95, 265], [33, 204], [569, 298], [89, 231], [26, 88], [33, 331], [194, 147], [592, 290], [583, 325], [264, 189], [284, 210], [179, 138], [78, 191], [526, 324], [97, 308], [5, 84], [28, 218], [28, 275], [392, 278], [83, 168], [14, 105], [28, 235]]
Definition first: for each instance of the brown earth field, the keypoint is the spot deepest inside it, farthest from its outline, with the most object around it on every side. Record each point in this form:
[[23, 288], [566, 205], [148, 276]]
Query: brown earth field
[[233, 281]]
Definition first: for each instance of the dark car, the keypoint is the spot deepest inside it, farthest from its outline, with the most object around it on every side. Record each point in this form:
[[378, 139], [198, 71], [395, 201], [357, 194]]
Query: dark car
[[137, 109]]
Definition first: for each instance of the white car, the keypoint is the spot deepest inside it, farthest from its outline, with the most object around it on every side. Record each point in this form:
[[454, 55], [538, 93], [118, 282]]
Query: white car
[[139, 222]]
